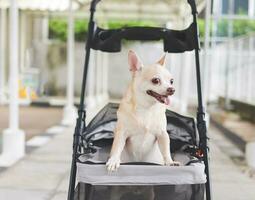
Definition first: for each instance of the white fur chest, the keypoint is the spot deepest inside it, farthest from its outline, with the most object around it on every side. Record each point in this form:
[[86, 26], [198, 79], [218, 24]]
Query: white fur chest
[[145, 122], [141, 131]]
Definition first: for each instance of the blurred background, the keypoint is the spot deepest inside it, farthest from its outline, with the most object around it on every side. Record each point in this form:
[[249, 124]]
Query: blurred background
[[42, 51]]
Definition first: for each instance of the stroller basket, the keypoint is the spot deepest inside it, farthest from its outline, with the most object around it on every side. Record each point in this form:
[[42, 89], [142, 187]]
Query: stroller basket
[[140, 181], [92, 173]]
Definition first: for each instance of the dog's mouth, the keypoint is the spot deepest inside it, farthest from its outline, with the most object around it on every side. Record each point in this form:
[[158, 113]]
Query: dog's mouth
[[165, 99]]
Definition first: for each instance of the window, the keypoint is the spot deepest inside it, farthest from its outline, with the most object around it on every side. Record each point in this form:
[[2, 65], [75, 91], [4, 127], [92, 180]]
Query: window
[[240, 6]]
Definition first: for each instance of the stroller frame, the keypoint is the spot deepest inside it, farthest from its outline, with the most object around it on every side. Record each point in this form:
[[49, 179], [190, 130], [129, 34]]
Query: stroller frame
[[137, 33]]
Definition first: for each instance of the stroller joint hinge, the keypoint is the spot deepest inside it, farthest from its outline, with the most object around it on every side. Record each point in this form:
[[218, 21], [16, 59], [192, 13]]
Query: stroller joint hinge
[[82, 114]]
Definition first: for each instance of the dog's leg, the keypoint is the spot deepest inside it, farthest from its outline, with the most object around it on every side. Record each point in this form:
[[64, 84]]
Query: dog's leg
[[117, 148], [164, 146]]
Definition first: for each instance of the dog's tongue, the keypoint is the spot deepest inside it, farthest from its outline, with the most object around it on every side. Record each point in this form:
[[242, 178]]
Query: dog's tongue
[[167, 100]]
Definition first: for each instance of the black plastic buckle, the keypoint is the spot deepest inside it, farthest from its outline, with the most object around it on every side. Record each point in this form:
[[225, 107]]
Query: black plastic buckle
[[88, 147]]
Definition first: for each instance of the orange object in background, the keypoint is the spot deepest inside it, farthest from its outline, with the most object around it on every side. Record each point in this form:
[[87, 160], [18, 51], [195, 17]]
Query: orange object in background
[[26, 93], [23, 93]]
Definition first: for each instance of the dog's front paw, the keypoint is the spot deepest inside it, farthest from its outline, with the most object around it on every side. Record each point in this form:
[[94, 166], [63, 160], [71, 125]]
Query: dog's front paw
[[113, 164], [172, 163]]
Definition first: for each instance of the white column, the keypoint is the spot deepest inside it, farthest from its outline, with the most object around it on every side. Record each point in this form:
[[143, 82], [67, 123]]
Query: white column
[[105, 76], [45, 29], [251, 8], [231, 72], [207, 70], [90, 88], [23, 34], [3, 31], [239, 66], [250, 71], [99, 77], [70, 112], [13, 137], [185, 84]]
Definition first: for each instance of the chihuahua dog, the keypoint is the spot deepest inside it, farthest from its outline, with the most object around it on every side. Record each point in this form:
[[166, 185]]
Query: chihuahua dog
[[140, 134]]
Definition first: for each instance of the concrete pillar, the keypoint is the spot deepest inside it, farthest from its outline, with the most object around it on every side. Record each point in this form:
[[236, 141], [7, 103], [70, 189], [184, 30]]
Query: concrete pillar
[[13, 137], [23, 34], [90, 95], [45, 28], [70, 112], [251, 8], [105, 76], [99, 77], [250, 70], [239, 71], [231, 80], [185, 90], [207, 70], [3, 98], [249, 154]]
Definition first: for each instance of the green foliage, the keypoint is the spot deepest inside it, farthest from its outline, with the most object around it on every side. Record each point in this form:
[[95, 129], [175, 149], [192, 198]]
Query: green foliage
[[58, 27], [240, 27], [81, 29], [201, 27], [118, 24]]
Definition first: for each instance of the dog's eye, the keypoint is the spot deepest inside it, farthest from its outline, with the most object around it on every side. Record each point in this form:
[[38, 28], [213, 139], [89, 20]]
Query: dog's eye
[[172, 81], [155, 81]]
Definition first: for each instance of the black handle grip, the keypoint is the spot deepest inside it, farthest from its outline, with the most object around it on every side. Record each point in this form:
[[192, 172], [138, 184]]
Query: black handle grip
[[193, 6], [142, 33]]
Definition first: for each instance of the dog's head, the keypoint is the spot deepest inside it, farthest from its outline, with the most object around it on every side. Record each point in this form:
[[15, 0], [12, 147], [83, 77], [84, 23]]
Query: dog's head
[[153, 83]]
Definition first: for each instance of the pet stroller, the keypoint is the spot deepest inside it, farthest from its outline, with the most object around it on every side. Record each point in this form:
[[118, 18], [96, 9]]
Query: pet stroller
[[92, 142]]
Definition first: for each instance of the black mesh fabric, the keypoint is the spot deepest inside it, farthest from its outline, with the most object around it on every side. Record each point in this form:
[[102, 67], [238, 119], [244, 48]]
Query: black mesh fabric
[[164, 192], [181, 129]]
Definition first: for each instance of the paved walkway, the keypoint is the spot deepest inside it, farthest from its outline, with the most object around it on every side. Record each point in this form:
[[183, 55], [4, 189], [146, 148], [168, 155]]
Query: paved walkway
[[44, 173], [229, 174], [33, 120]]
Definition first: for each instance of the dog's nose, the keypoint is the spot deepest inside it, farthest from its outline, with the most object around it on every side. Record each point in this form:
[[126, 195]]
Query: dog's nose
[[170, 90]]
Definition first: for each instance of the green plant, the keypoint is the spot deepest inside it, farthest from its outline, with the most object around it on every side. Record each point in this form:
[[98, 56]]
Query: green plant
[[81, 29], [201, 27], [125, 23], [240, 27], [58, 27]]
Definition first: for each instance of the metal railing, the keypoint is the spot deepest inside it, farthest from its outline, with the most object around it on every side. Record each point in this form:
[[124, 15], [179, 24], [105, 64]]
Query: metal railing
[[232, 70]]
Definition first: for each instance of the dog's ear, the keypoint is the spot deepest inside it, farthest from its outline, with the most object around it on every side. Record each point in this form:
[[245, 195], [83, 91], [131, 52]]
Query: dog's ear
[[162, 60], [134, 62]]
